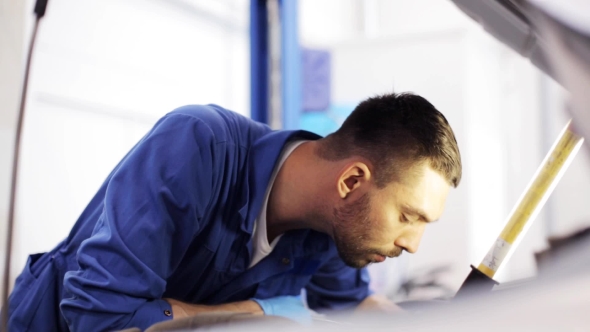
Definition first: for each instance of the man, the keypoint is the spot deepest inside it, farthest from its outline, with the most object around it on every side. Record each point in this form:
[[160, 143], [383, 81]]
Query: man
[[212, 211]]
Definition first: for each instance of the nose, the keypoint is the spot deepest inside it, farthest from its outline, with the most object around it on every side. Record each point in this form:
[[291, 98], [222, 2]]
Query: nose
[[410, 239]]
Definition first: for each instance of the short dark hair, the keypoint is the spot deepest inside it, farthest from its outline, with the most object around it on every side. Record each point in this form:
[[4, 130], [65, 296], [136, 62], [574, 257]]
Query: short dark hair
[[395, 132]]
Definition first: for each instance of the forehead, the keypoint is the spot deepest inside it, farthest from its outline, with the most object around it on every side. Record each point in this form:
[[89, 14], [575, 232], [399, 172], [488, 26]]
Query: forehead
[[425, 191]]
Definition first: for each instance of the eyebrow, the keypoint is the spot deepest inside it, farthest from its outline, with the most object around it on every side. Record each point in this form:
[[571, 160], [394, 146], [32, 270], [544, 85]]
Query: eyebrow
[[417, 212]]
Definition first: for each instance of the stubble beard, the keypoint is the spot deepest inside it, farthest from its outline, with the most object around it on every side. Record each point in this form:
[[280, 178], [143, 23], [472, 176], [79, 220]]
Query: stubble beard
[[350, 230]]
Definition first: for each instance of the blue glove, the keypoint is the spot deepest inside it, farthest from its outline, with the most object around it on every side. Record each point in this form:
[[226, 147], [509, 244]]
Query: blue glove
[[290, 307]]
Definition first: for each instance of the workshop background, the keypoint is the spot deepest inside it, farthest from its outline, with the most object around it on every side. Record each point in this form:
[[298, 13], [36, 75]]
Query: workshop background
[[105, 70]]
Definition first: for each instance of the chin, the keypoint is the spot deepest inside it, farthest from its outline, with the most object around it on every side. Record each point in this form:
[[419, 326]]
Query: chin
[[357, 263], [356, 259]]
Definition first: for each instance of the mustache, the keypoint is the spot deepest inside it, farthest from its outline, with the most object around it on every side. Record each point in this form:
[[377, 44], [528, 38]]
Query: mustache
[[394, 253]]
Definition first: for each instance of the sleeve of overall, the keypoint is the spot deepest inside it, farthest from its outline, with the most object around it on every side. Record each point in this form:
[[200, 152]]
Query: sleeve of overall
[[152, 209], [336, 286]]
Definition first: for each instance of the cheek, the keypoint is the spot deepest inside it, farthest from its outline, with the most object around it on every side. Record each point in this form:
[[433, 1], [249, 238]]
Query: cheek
[[387, 226]]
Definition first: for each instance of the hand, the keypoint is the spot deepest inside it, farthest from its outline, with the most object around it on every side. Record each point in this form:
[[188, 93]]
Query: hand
[[290, 307], [378, 303]]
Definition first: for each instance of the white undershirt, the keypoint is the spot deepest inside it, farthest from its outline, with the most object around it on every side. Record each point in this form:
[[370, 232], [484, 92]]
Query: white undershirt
[[260, 246]]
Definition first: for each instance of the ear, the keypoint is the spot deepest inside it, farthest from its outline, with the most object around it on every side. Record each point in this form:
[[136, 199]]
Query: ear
[[353, 177]]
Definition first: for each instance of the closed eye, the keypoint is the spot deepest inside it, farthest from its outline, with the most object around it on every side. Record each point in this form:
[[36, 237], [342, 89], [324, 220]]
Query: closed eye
[[404, 218], [420, 215]]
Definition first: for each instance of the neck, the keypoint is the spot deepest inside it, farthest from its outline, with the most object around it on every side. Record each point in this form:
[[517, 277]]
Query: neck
[[293, 202]]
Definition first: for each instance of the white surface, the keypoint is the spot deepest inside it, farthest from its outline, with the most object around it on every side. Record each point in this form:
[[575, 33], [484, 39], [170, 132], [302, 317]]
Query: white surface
[[103, 73], [552, 305]]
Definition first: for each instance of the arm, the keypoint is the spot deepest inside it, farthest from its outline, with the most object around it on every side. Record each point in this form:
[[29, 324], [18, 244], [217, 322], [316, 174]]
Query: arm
[[182, 310], [152, 208], [290, 307]]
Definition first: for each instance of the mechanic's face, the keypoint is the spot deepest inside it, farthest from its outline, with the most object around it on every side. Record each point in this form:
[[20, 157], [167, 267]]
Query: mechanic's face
[[382, 223]]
